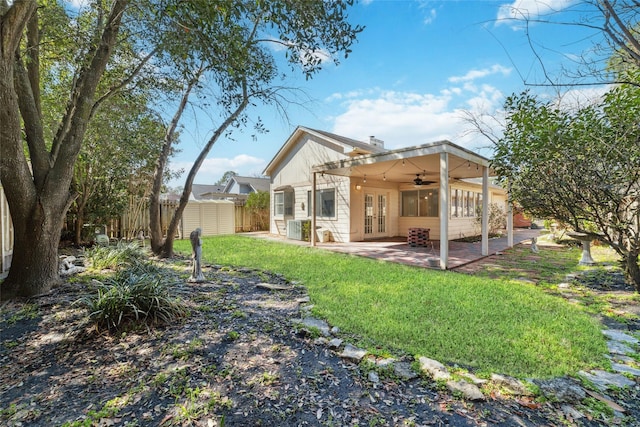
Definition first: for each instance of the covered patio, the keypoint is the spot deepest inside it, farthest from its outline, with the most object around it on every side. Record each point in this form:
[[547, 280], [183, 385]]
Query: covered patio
[[435, 165], [460, 253]]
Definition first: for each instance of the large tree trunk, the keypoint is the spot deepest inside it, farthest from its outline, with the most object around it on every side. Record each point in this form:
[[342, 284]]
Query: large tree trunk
[[38, 192], [37, 227], [632, 271]]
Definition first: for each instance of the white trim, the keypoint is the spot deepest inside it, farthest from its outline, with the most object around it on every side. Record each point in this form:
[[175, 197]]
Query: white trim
[[445, 197], [485, 211]]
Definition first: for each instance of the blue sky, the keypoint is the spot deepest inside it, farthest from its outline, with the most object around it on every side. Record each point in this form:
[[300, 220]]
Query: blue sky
[[417, 69]]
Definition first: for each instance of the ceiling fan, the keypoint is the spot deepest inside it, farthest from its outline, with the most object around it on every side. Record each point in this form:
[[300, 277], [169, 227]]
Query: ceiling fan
[[419, 181]]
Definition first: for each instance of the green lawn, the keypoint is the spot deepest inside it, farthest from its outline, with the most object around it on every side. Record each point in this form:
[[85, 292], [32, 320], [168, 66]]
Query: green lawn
[[480, 323]]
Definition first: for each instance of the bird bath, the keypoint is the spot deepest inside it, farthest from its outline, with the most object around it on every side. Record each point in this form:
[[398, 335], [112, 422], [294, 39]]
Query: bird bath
[[586, 247]]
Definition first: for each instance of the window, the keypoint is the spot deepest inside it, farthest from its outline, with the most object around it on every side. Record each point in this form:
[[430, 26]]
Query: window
[[454, 203], [325, 203], [409, 203], [465, 203], [420, 203], [283, 203]]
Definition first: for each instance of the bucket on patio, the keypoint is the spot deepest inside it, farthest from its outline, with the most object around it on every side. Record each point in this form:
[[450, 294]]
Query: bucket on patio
[[433, 262]]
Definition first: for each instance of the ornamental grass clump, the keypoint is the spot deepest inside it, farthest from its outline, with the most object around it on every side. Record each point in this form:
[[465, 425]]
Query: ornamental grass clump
[[133, 297], [115, 257]]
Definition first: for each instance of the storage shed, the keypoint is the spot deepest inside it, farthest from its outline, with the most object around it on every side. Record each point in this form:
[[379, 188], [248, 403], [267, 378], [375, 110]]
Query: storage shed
[[213, 217]]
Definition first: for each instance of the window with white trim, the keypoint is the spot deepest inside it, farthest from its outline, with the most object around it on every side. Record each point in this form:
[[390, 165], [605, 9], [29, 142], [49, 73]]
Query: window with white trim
[[283, 203], [325, 203], [465, 204], [420, 203]]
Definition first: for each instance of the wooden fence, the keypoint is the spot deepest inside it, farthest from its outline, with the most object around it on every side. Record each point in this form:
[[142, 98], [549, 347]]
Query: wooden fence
[[136, 219]]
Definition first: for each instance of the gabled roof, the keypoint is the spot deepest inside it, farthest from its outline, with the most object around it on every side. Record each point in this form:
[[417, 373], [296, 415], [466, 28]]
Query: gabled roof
[[201, 191], [256, 183], [344, 144]]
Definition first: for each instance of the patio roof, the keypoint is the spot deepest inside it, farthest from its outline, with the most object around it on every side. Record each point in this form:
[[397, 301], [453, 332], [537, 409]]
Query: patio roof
[[403, 164]]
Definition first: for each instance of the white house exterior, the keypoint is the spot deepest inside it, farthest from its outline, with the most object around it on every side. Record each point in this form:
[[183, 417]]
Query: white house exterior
[[6, 235], [362, 191]]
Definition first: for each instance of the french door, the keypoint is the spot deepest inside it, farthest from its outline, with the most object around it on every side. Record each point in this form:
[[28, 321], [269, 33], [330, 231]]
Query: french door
[[375, 215]]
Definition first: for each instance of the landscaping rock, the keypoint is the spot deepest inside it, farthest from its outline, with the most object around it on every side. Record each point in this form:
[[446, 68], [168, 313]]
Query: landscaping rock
[[474, 379], [620, 336], [373, 377], [572, 412], [513, 385], [404, 370], [434, 368], [625, 369], [562, 390], [321, 341], [272, 287], [321, 325], [604, 380], [335, 343], [468, 390], [616, 347], [353, 353], [383, 363]]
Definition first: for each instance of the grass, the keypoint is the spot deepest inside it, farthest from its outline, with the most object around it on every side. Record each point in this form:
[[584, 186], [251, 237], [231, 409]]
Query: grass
[[476, 322]]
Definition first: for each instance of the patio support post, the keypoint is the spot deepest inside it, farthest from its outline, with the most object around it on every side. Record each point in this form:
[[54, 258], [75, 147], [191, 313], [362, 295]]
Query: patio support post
[[444, 210], [485, 211], [312, 237]]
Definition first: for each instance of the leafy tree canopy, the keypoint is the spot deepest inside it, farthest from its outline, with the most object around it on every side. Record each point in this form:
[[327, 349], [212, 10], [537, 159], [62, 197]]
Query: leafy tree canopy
[[580, 166]]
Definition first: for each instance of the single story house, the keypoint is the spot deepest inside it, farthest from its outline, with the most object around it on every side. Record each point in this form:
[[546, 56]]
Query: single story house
[[347, 190]]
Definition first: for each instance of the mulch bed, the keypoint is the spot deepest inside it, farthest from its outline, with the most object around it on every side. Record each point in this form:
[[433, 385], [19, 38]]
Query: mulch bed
[[236, 360]]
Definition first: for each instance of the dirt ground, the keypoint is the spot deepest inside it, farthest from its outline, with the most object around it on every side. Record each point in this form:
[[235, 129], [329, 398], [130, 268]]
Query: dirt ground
[[238, 359]]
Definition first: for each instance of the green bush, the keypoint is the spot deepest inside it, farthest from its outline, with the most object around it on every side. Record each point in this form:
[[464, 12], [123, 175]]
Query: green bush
[[115, 257], [133, 297]]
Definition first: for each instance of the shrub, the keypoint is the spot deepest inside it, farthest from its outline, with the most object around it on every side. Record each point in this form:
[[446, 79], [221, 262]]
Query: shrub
[[135, 296], [497, 218], [115, 257]]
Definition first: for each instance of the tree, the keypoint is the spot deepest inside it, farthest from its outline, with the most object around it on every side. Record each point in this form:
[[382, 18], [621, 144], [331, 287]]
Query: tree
[[224, 46], [258, 205], [225, 178], [121, 145], [613, 30], [580, 167], [37, 185]]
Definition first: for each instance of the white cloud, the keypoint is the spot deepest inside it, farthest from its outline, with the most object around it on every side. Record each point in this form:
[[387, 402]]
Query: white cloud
[[403, 119], [431, 16], [213, 168], [478, 74], [530, 9]]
